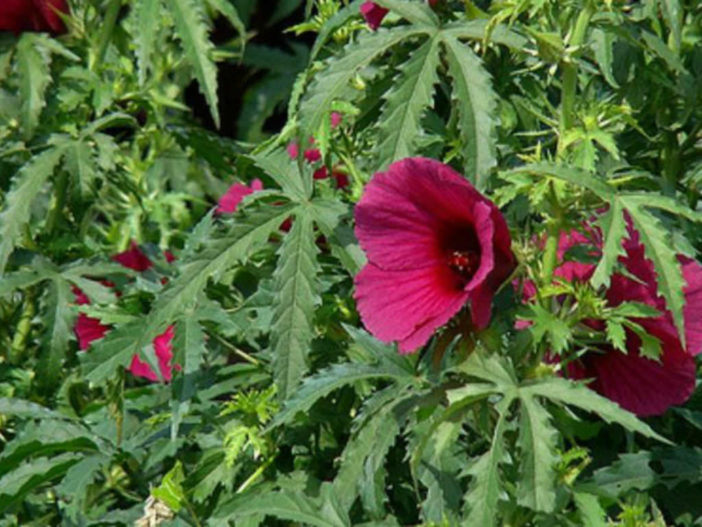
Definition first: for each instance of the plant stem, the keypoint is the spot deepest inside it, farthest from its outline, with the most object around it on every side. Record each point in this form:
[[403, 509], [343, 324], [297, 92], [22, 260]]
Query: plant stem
[[107, 30], [570, 73], [553, 232], [19, 339]]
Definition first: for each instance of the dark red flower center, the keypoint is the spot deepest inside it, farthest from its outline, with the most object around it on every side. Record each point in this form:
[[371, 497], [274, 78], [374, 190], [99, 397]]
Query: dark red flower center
[[464, 263]]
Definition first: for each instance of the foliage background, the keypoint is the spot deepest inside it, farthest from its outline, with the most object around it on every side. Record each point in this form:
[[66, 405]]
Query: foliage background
[[284, 410]]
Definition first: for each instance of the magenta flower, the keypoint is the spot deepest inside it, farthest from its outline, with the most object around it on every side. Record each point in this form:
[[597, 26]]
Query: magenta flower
[[32, 15], [336, 119], [163, 346], [230, 200], [89, 329], [340, 178], [638, 384], [373, 14], [311, 155], [433, 243]]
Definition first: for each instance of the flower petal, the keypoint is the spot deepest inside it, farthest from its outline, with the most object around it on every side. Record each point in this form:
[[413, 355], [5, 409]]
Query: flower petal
[[373, 14], [407, 305], [133, 258], [412, 204], [163, 348], [88, 329], [692, 272], [643, 386]]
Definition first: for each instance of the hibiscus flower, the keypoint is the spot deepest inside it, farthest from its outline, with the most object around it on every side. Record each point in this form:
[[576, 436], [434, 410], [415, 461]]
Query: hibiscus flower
[[433, 243], [32, 15], [641, 385], [373, 14], [89, 329]]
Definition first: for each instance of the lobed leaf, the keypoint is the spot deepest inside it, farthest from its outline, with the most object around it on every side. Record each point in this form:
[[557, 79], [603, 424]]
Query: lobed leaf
[[297, 294], [537, 444], [476, 103], [218, 255], [400, 122], [334, 83], [33, 61], [28, 182], [192, 31]]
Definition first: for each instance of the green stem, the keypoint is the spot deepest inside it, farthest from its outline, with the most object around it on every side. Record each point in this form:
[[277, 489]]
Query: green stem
[[253, 477], [107, 30], [24, 326], [570, 73], [550, 252], [56, 211]]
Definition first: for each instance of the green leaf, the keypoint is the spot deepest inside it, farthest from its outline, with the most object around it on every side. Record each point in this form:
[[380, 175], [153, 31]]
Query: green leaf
[[277, 164], [58, 316], [22, 408], [491, 368], [476, 30], [283, 504], [332, 378], [78, 159], [218, 255], [226, 8], [574, 176], [33, 61], [189, 346], [28, 182], [81, 475], [673, 16], [21, 280], [414, 12], [602, 42], [145, 23], [537, 444], [591, 512], [613, 231], [192, 30], [328, 216], [334, 82], [616, 334], [437, 471], [484, 491], [661, 202], [400, 123], [340, 18], [578, 395], [297, 294], [657, 247], [369, 445], [630, 471], [476, 102], [545, 322], [15, 485], [680, 464], [170, 491]]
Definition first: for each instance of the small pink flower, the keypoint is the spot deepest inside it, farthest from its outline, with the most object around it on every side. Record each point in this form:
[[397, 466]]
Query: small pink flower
[[32, 15], [89, 329], [335, 119], [312, 155], [433, 243], [373, 14], [638, 384], [341, 178], [229, 202]]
